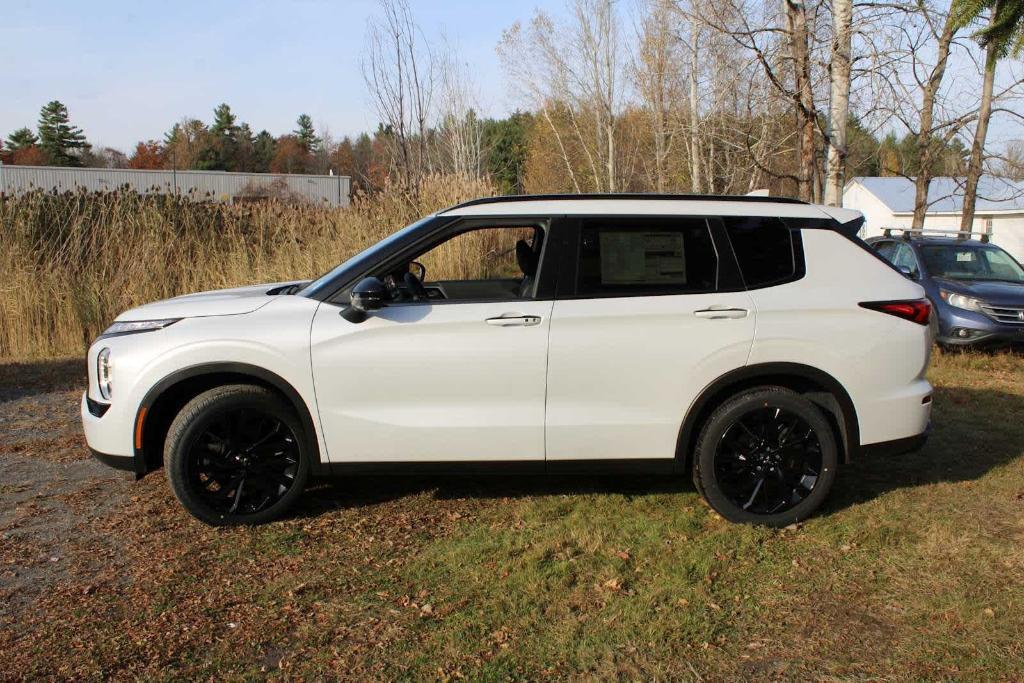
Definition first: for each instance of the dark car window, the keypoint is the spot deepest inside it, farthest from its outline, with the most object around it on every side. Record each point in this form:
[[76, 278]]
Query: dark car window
[[970, 262], [764, 249], [886, 250], [904, 258], [646, 256]]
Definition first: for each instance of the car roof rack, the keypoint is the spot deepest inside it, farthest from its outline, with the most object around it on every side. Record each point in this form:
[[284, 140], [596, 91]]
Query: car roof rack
[[907, 233], [760, 199]]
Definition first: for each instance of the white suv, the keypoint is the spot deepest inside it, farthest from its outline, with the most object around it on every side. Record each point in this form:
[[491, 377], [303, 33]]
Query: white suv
[[754, 342]]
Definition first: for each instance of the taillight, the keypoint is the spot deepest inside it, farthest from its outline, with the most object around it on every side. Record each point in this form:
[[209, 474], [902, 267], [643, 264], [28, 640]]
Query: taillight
[[917, 311]]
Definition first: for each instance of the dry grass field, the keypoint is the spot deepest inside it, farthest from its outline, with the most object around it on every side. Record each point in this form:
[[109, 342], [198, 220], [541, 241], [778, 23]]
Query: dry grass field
[[914, 570], [73, 261]]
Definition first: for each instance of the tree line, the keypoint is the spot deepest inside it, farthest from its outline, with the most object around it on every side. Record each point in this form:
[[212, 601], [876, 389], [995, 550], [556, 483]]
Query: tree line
[[795, 96]]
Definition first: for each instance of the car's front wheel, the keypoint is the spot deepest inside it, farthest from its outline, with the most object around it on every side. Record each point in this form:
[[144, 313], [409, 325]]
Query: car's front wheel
[[235, 455], [766, 456]]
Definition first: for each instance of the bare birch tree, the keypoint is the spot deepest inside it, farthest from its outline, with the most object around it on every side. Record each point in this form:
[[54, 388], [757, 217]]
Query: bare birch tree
[[460, 130], [840, 69], [400, 75], [655, 71], [577, 65]]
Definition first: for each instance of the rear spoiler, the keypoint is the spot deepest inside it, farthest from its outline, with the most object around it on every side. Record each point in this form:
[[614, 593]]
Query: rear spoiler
[[850, 229]]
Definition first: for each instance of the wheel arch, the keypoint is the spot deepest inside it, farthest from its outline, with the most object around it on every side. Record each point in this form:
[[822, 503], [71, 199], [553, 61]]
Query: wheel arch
[[817, 385], [167, 397]]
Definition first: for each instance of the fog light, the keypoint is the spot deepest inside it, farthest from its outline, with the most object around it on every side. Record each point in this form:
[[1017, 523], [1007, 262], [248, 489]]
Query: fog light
[[966, 333]]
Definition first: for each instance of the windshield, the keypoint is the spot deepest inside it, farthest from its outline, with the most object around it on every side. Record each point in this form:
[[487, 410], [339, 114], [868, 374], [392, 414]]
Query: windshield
[[360, 260], [969, 262]]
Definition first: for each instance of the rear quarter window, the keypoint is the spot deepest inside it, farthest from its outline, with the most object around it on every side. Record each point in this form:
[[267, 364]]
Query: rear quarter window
[[768, 252]]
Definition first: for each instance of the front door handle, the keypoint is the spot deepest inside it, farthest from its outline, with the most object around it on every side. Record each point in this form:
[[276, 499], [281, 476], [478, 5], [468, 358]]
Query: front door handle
[[715, 313], [514, 321]]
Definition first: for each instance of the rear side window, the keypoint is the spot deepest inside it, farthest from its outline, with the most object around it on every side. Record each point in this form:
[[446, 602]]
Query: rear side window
[[646, 256], [764, 250]]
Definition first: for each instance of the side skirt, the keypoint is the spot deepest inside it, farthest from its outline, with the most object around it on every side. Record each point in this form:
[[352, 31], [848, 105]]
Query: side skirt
[[502, 467]]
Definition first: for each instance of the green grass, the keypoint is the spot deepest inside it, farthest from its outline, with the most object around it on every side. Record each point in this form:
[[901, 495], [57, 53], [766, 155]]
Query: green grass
[[914, 570]]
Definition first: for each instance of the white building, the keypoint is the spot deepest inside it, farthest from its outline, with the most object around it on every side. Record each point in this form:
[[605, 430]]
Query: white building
[[889, 203]]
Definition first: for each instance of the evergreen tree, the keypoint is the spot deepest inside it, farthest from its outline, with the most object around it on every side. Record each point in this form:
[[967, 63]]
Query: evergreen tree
[[506, 142], [305, 133], [20, 139], [61, 141], [263, 151], [224, 122], [223, 153]]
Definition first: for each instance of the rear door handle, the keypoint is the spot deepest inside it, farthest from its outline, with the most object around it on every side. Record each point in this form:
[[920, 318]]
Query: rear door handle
[[514, 321], [715, 313]]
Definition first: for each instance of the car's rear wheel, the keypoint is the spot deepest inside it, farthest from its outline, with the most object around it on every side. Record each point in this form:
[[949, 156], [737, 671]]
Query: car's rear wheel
[[236, 455], [767, 456]]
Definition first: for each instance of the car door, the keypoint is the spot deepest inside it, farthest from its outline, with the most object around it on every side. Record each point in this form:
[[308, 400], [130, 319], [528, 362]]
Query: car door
[[655, 313], [454, 379]]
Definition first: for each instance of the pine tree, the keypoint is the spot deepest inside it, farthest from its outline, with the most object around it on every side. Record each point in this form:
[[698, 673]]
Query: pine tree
[[61, 141], [263, 151], [224, 122], [20, 139], [223, 155], [305, 133]]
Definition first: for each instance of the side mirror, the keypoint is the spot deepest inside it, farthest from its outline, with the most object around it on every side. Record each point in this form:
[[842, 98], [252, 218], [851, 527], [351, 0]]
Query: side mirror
[[906, 271], [368, 295]]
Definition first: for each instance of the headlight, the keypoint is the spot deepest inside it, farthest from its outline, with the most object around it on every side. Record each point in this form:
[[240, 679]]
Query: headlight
[[960, 300], [134, 326], [104, 373]]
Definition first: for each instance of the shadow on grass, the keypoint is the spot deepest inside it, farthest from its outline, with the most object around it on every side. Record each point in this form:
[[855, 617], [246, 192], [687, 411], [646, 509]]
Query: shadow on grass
[[974, 431], [27, 379]]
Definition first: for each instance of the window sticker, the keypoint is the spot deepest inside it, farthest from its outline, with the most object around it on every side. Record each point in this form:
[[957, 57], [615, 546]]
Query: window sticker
[[640, 258], [964, 256]]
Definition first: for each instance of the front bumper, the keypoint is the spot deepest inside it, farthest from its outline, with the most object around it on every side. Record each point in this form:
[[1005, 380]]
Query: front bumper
[[981, 330], [118, 462], [108, 432]]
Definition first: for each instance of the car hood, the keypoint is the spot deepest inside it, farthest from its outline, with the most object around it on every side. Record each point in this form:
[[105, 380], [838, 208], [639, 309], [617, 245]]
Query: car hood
[[1008, 293], [217, 302]]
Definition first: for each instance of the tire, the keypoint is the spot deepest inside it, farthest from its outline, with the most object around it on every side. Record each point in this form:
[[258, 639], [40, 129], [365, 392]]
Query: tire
[[237, 454], [750, 439]]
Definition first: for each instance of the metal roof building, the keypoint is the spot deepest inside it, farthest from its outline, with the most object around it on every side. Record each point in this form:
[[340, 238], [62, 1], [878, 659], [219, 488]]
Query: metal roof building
[[889, 203], [200, 185]]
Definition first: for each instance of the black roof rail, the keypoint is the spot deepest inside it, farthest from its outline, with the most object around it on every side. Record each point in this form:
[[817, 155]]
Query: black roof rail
[[757, 199]]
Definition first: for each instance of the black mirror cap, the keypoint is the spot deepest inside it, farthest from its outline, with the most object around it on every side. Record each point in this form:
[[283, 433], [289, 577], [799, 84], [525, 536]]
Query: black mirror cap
[[369, 294]]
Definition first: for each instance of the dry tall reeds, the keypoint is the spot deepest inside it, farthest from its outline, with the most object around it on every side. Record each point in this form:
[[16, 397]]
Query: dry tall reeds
[[70, 262]]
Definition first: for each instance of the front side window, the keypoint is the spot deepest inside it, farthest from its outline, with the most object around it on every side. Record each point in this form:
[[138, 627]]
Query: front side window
[[646, 256], [763, 248], [970, 262], [482, 264]]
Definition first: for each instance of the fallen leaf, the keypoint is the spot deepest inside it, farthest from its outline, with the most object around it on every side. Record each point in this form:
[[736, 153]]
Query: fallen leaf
[[613, 584]]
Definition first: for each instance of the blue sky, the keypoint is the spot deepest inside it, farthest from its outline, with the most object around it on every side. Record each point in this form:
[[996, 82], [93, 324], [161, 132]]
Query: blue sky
[[128, 70]]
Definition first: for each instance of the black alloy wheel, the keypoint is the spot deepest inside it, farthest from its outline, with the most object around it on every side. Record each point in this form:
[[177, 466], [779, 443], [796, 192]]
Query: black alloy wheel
[[243, 462], [768, 461], [766, 456], [235, 455]]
